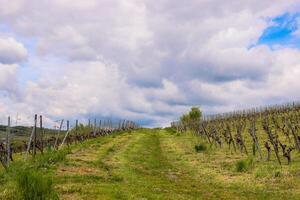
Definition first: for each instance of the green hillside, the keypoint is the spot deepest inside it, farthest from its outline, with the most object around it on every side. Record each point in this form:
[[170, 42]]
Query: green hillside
[[157, 164]]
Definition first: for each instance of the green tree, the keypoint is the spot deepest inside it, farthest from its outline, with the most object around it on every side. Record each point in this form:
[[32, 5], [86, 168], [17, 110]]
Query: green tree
[[191, 120], [195, 116]]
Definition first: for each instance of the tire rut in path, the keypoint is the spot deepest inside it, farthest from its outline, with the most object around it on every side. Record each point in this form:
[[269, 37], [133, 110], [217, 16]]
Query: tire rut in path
[[85, 167]]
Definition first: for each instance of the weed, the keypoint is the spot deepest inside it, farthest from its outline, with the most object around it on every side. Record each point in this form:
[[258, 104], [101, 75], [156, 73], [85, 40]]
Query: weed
[[225, 166], [111, 149], [33, 185], [200, 147], [103, 165], [116, 178], [267, 171]]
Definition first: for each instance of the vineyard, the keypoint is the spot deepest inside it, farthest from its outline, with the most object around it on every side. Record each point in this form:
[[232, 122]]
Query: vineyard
[[251, 154], [259, 132], [20, 139]]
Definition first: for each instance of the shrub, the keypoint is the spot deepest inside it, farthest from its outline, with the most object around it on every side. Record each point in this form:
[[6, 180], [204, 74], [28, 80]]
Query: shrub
[[170, 130], [244, 165], [33, 185], [277, 174], [111, 149], [241, 166], [200, 147]]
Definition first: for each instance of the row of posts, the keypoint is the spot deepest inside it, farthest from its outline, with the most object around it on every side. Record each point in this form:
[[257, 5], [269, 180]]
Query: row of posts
[[107, 125], [123, 124]]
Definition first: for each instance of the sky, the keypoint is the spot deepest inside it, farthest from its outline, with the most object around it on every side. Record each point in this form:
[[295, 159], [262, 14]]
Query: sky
[[144, 60]]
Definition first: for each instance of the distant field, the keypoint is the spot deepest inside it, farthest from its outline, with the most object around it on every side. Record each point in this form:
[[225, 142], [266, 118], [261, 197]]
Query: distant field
[[21, 134], [162, 164]]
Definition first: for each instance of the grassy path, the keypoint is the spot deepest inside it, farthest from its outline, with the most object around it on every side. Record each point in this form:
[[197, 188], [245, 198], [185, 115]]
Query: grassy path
[[156, 164]]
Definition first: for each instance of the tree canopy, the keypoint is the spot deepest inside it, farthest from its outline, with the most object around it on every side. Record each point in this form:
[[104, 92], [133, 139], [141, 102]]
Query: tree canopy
[[191, 120]]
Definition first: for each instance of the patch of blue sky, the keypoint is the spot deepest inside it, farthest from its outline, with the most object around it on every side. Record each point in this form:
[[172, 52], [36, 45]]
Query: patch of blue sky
[[4, 28], [35, 65], [24, 72], [282, 31]]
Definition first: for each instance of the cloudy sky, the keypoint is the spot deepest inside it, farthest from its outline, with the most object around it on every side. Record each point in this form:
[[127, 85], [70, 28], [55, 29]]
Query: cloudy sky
[[146, 60]]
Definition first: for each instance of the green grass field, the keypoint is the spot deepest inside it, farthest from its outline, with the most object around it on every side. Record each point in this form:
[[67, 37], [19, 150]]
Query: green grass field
[[158, 164]]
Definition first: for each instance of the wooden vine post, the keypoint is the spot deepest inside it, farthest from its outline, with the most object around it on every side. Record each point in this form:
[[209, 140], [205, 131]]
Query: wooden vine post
[[205, 132], [34, 135], [230, 137], [76, 127], [123, 125], [8, 142], [252, 132], [42, 134], [240, 138], [119, 126], [58, 133], [31, 137], [67, 133], [294, 132], [95, 127], [271, 138]]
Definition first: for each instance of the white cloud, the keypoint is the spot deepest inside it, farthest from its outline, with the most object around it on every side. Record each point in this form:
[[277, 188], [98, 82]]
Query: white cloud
[[10, 8], [145, 59], [11, 51], [8, 79]]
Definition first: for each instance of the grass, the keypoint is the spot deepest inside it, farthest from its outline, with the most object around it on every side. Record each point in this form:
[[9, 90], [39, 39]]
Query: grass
[[32, 179], [27, 180], [152, 164], [51, 157]]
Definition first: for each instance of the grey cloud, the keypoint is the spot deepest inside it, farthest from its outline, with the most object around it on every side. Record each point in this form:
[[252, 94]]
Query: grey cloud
[[148, 40]]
